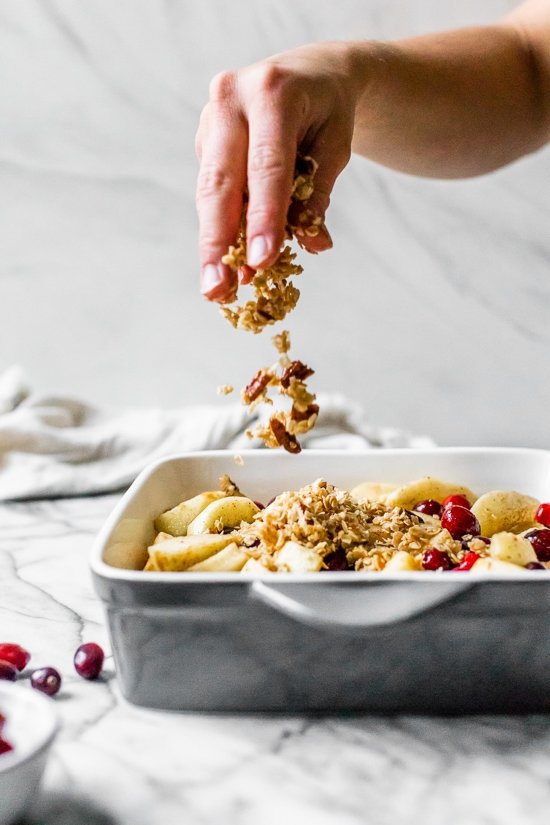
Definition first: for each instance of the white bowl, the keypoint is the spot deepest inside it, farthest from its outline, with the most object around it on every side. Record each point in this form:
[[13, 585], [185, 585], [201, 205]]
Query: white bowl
[[31, 726]]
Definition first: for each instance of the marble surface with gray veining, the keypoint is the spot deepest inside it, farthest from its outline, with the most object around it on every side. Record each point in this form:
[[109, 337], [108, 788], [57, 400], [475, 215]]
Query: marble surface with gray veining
[[114, 764], [431, 310]]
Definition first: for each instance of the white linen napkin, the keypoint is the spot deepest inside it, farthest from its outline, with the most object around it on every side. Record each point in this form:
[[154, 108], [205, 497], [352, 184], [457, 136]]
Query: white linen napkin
[[52, 445]]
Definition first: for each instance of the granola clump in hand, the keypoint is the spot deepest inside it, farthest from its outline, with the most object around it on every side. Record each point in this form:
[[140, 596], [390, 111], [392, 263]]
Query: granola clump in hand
[[274, 294]]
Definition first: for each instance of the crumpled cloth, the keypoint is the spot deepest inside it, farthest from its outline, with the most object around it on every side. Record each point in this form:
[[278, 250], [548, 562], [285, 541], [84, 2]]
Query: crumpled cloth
[[55, 445]]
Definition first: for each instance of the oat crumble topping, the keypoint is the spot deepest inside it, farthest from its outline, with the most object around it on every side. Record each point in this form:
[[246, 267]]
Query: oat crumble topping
[[329, 520]]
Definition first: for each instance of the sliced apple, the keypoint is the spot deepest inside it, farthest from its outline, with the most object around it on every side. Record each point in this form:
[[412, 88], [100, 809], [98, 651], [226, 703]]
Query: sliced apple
[[254, 566], [295, 558], [505, 511], [229, 560], [423, 488], [372, 491], [181, 552], [226, 513], [512, 548], [490, 565], [177, 520], [401, 562]]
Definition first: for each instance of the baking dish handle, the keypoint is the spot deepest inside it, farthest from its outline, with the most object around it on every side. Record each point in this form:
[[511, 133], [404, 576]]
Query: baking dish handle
[[355, 605]]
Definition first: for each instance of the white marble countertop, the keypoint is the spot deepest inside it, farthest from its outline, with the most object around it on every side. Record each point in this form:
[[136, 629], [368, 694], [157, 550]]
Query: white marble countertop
[[114, 763]]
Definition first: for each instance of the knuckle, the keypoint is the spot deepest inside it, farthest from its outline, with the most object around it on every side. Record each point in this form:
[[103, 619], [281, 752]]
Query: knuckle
[[270, 77], [267, 160], [213, 180], [263, 215], [210, 243], [222, 86]]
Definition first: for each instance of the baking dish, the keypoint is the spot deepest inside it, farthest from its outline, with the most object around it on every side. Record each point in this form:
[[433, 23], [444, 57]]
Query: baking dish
[[409, 642]]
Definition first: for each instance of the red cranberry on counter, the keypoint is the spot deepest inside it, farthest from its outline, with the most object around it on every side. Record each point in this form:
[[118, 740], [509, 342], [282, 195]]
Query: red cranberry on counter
[[428, 506], [47, 680], [434, 559], [88, 660], [535, 565], [457, 498], [540, 541], [8, 672], [15, 654], [543, 514], [459, 521], [468, 561]]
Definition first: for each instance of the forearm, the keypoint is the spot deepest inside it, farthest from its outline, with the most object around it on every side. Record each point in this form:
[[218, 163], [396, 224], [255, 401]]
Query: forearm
[[451, 105]]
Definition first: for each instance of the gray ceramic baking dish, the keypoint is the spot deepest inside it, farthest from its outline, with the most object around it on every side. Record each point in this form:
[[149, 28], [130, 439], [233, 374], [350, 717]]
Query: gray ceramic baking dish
[[407, 642]]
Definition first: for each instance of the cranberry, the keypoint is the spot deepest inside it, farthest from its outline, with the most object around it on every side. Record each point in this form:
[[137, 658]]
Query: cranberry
[[428, 506], [259, 505], [46, 679], [468, 561], [540, 540], [8, 672], [457, 498], [436, 560], [88, 660], [459, 521], [5, 746], [535, 565], [17, 655], [543, 514], [336, 560]]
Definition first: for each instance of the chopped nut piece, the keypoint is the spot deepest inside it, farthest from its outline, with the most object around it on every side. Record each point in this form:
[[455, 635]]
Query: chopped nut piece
[[255, 388], [303, 415], [225, 389], [295, 370], [283, 437]]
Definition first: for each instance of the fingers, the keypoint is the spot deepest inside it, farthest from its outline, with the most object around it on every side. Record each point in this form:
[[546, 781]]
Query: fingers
[[222, 146], [273, 137], [331, 148]]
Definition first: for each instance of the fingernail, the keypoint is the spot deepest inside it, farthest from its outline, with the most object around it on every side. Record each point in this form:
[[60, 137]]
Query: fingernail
[[324, 233], [211, 278], [257, 250]]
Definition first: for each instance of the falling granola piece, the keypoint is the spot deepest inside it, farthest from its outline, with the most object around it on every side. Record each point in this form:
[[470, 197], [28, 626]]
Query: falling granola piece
[[255, 388], [283, 437], [288, 378]]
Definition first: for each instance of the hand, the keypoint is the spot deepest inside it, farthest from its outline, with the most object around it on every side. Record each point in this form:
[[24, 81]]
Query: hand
[[255, 123]]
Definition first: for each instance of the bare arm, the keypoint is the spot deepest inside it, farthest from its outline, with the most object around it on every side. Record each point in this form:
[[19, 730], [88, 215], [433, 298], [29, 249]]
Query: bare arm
[[459, 103], [449, 105]]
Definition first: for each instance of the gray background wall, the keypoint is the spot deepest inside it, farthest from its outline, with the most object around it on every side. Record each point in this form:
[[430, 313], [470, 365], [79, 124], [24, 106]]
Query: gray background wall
[[431, 310]]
